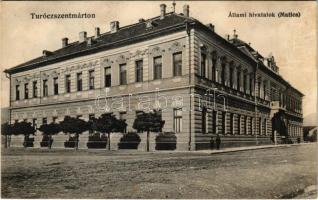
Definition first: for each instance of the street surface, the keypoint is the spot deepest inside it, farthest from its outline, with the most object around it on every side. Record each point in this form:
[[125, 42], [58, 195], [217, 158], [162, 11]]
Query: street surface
[[282, 172]]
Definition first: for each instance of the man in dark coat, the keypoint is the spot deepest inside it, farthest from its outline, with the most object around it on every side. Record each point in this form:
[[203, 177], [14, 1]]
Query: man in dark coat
[[218, 141]]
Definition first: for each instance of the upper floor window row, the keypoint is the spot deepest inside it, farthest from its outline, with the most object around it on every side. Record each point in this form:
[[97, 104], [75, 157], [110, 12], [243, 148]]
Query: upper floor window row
[[123, 77]]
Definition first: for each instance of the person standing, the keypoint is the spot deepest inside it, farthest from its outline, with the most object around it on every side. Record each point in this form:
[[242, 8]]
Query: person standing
[[218, 141]]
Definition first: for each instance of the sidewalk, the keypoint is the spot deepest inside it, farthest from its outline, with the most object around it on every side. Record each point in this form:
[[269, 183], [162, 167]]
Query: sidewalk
[[247, 148]]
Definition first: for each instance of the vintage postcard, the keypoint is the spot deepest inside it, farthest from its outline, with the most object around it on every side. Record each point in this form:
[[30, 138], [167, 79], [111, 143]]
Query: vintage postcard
[[158, 99]]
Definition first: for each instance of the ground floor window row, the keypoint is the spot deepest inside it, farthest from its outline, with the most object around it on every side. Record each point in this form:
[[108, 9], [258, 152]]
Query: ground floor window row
[[295, 130], [220, 122], [177, 118], [211, 122]]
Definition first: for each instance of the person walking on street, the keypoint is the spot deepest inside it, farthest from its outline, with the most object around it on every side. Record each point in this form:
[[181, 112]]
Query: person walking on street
[[218, 141]]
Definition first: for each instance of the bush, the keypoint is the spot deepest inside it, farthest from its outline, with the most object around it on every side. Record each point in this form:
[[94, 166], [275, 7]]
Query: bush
[[166, 141], [46, 140], [28, 142], [97, 141], [129, 140], [70, 143]]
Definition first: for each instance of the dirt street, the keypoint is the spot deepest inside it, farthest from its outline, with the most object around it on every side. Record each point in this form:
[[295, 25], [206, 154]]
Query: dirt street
[[284, 172]]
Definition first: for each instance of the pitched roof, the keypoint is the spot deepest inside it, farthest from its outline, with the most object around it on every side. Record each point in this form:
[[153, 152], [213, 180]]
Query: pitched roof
[[109, 40]]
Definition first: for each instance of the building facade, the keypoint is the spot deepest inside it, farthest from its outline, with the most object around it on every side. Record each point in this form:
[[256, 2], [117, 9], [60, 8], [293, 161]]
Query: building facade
[[202, 84]]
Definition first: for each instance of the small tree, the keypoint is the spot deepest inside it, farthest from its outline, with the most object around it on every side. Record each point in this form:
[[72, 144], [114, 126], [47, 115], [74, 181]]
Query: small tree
[[26, 129], [149, 122], [7, 131], [48, 130], [108, 123], [71, 125]]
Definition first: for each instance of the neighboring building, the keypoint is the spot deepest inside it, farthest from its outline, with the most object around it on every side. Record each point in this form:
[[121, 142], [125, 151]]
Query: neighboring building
[[310, 133], [4, 115], [173, 63]]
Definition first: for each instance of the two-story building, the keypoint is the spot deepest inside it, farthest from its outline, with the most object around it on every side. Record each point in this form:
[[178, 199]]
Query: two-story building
[[203, 84]]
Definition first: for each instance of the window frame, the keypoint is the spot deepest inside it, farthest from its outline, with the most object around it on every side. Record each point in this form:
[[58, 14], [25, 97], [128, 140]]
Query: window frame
[[26, 90], [107, 75], [123, 74], [155, 66], [91, 79], [79, 81], [45, 88], [55, 85], [68, 83], [177, 64], [177, 120], [139, 71]]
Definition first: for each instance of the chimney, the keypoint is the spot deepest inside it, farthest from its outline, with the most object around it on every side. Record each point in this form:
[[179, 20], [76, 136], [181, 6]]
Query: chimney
[[82, 36], [46, 53], [114, 26], [89, 41], [186, 11], [97, 32], [141, 20], [228, 37], [64, 42], [210, 26], [162, 11]]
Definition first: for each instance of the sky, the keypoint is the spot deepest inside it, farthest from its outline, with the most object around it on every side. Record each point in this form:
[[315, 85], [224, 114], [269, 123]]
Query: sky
[[291, 40]]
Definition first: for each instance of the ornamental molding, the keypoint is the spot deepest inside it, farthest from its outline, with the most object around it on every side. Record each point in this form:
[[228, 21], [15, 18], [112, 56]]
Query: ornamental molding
[[106, 62], [176, 46], [139, 53], [81, 66], [121, 59], [156, 51]]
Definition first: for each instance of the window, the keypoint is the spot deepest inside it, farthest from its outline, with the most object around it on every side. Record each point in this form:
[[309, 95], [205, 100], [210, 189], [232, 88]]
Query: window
[[122, 116], [157, 66], [223, 73], [90, 118], [34, 123], [265, 126], [213, 69], [214, 121], [17, 92], [245, 82], [56, 86], [244, 125], [108, 77], [26, 90], [79, 81], [44, 120], [35, 89], [123, 74], [260, 126], [238, 124], [251, 85], [251, 125], [259, 89], [264, 92], [223, 122], [231, 123], [231, 77], [91, 79], [139, 71], [203, 65], [204, 112], [238, 80], [177, 120], [68, 83], [177, 64], [45, 88]]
